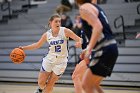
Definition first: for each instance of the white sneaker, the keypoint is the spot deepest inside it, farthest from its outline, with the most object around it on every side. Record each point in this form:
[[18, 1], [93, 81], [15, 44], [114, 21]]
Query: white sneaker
[[38, 90]]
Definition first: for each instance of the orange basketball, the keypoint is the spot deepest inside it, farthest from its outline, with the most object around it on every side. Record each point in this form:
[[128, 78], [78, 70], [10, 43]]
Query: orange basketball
[[17, 56]]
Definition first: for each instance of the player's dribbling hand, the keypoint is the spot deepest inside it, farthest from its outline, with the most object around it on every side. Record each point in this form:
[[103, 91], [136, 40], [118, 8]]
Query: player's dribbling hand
[[20, 47]]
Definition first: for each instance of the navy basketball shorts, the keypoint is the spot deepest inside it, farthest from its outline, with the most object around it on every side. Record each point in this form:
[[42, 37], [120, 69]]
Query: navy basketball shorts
[[103, 60]]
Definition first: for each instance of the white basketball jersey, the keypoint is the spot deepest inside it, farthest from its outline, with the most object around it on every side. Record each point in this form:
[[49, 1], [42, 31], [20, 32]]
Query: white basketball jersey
[[58, 46]]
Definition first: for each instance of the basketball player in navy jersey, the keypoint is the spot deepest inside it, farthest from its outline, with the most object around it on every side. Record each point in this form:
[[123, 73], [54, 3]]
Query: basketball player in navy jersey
[[55, 63], [102, 50], [81, 65]]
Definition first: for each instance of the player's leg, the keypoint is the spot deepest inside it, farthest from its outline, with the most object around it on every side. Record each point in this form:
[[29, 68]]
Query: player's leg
[[44, 74], [76, 80], [51, 82], [78, 75], [57, 71], [99, 89], [91, 82], [42, 78]]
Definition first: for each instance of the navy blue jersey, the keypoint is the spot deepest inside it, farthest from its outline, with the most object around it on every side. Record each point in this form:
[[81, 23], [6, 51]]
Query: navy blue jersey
[[85, 40], [105, 52], [107, 33]]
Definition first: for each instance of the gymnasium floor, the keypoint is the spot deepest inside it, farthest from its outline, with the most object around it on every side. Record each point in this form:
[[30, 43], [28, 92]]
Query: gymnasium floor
[[30, 88]]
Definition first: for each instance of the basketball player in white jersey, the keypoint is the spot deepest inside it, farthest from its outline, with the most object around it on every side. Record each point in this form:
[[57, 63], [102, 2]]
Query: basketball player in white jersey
[[55, 63]]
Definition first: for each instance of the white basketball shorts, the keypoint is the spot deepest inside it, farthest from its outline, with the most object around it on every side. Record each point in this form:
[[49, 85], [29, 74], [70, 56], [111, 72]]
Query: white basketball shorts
[[54, 64]]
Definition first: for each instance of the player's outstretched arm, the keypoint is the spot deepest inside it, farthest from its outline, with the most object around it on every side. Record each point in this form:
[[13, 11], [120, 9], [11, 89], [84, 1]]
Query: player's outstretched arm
[[35, 45], [71, 34]]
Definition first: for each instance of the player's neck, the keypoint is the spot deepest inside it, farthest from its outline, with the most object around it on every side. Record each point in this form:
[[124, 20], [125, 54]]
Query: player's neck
[[55, 32]]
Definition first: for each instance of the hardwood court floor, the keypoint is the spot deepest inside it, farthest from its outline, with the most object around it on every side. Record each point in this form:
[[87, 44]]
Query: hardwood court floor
[[30, 88]]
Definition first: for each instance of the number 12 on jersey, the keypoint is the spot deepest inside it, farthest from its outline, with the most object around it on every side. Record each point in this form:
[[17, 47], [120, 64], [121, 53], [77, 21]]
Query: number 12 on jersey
[[58, 48]]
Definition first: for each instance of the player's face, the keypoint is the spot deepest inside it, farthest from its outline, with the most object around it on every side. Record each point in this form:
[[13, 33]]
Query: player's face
[[56, 23]]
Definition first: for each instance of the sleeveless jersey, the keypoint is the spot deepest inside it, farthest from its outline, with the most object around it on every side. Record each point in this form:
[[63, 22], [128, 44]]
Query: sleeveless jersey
[[58, 46], [106, 33]]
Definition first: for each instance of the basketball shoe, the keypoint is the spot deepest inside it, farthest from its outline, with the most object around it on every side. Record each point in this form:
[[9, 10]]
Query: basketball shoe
[[38, 90]]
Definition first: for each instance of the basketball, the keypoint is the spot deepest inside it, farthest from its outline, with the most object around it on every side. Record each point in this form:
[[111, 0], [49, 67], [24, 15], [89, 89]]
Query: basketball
[[17, 56]]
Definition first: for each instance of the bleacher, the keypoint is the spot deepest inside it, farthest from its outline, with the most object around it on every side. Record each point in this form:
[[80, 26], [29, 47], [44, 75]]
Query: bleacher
[[28, 27]]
